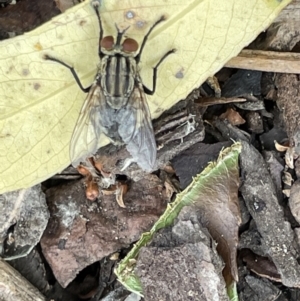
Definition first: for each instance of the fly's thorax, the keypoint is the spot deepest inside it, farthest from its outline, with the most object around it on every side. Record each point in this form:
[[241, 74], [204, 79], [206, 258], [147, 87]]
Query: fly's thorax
[[118, 74]]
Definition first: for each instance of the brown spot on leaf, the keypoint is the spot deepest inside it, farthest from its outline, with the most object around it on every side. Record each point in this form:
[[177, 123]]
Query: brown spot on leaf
[[25, 72], [38, 46], [179, 74], [158, 110], [5, 135], [36, 86], [82, 22], [10, 69]]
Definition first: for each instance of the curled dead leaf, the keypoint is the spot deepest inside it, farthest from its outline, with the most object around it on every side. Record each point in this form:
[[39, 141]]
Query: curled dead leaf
[[233, 117], [260, 265], [169, 169], [119, 189], [110, 190], [169, 189], [281, 147], [287, 178], [213, 82], [218, 206], [290, 152], [289, 157], [120, 192], [286, 192], [114, 256]]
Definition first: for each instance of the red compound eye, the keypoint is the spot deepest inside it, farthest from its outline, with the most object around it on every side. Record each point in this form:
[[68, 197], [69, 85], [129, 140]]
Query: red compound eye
[[130, 45], [107, 43]]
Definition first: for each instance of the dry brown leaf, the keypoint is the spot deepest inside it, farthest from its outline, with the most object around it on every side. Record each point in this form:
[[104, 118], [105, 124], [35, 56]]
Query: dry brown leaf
[[218, 207], [233, 117], [260, 265], [281, 147]]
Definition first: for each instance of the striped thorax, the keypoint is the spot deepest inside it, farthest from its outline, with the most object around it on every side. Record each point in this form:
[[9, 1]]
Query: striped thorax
[[117, 79]]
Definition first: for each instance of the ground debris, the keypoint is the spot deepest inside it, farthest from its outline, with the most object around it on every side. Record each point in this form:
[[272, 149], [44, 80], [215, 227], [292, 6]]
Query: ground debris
[[15, 287], [80, 232], [22, 222], [262, 203], [182, 262]]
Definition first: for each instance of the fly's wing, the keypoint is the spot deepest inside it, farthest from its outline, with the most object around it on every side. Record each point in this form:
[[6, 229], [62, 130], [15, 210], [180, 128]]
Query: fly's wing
[[135, 128], [87, 130]]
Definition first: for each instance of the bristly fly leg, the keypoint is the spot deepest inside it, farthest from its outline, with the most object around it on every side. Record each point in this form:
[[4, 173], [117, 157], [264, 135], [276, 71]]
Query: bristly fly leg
[[138, 57], [50, 58], [147, 90], [96, 5]]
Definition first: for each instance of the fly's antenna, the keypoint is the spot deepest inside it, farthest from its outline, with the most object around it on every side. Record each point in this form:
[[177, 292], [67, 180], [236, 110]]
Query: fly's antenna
[[96, 4], [120, 34]]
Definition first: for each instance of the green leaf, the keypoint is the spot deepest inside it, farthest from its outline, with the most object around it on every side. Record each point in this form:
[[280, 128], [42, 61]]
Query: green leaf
[[223, 175]]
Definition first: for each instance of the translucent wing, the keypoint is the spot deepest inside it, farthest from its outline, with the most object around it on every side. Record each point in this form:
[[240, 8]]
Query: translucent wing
[[136, 131], [87, 130]]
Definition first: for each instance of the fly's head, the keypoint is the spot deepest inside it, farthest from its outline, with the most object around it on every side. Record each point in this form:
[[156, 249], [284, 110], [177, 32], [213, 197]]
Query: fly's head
[[128, 47]]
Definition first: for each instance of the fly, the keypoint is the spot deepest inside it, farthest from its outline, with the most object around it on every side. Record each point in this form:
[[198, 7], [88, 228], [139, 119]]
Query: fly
[[116, 103]]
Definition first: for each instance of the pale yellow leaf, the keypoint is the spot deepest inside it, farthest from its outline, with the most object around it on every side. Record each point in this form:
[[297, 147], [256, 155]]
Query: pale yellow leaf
[[40, 101]]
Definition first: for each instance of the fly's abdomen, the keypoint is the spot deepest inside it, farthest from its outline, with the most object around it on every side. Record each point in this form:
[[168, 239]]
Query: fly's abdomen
[[117, 80]]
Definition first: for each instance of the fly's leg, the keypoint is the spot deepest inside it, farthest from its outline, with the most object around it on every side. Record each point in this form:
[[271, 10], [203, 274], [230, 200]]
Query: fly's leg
[[138, 57], [147, 90], [50, 58], [96, 4]]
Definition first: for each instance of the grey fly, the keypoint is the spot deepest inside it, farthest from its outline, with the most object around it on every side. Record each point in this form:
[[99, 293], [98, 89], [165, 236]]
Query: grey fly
[[116, 103]]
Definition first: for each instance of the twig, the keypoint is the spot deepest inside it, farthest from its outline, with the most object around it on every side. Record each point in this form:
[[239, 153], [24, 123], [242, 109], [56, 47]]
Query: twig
[[268, 61]]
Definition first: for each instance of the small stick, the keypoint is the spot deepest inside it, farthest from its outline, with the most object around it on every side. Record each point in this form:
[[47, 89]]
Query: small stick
[[268, 61]]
